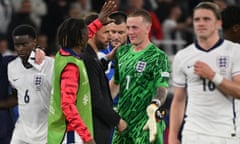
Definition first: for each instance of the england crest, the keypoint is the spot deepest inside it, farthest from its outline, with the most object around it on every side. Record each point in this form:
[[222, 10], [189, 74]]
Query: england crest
[[38, 81], [222, 62], [141, 66]]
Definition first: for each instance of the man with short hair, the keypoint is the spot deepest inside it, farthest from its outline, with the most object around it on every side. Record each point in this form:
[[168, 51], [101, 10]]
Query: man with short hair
[[118, 35], [206, 74], [104, 117], [33, 84], [141, 79]]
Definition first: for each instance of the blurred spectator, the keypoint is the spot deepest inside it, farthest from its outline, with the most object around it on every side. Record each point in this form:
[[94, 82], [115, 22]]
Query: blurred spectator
[[4, 46], [96, 5], [75, 10], [86, 6], [38, 9], [5, 15], [57, 12], [173, 30], [162, 9], [156, 29], [20, 17]]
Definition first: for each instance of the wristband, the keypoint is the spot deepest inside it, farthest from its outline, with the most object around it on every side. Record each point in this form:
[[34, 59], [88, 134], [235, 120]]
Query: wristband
[[157, 102], [217, 79]]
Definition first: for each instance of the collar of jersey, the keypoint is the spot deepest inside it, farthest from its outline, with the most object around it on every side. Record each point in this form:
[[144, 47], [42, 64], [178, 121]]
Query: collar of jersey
[[218, 43], [68, 52], [142, 51]]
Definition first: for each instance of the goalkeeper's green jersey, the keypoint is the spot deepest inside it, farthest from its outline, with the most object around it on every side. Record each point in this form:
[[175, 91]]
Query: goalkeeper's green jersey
[[139, 74]]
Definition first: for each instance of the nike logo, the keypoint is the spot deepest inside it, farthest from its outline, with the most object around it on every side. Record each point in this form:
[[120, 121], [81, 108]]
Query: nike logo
[[120, 64], [15, 80], [189, 66]]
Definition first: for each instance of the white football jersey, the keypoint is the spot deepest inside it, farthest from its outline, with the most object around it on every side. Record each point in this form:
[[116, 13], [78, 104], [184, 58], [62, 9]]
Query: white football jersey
[[208, 110], [34, 89], [100, 56], [237, 105]]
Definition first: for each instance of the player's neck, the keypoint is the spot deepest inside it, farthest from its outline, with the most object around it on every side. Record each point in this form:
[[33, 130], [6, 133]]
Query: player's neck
[[141, 46], [26, 64], [207, 43], [77, 50]]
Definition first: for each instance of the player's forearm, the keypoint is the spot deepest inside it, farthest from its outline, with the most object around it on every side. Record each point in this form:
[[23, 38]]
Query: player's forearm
[[177, 111], [114, 88], [161, 94], [231, 88], [176, 118]]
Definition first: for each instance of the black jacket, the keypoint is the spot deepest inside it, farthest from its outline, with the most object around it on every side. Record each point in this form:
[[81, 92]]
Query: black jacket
[[104, 117]]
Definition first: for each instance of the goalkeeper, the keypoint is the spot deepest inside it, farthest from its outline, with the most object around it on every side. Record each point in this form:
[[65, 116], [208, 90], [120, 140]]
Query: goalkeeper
[[141, 79]]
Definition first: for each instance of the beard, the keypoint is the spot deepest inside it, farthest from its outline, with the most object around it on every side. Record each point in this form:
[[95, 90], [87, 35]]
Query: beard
[[101, 45]]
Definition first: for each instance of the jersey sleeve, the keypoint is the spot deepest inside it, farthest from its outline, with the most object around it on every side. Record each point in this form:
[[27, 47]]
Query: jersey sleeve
[[10, 75], [93, 27], [163, 71], [178, 75], [236, 63], [69, 88]]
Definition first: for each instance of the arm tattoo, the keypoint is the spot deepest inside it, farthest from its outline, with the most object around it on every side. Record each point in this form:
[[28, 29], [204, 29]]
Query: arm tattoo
[[161, 94]]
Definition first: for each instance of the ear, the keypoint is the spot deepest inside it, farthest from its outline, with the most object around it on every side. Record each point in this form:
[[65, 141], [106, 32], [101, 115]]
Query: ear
[[219, 24], [34, 43], [236, 28], [148, 27]]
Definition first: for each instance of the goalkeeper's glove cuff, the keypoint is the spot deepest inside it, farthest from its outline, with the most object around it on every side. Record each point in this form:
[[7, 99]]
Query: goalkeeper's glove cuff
[[157, 102]]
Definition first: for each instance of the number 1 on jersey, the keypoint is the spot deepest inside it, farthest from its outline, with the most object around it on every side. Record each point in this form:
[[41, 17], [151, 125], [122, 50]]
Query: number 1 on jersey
[[128, 81]]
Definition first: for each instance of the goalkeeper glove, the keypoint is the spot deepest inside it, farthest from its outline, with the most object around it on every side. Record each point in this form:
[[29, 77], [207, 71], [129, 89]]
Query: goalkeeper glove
[[161, 114], [151, 123]]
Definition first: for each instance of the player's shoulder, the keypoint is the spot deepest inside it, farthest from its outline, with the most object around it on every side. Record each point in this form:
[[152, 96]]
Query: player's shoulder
[[155, 49], [230, 47], [186, 51], [124, 49], [49, 62], [49, 59], [155, 53], [230, 44], [15, 62]]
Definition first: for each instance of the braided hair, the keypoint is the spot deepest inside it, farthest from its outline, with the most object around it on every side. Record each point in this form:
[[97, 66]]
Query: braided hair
[[72, 33]]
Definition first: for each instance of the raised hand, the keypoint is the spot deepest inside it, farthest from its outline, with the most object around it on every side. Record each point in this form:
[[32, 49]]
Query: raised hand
[[106, 10]]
